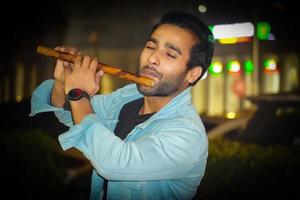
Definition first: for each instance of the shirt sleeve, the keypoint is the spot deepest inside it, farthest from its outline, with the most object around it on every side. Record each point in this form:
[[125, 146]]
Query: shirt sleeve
[[179, 148], [41, 102]]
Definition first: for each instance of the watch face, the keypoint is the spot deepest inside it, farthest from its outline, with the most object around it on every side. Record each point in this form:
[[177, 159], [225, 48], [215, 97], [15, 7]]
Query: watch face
[[75, 94]]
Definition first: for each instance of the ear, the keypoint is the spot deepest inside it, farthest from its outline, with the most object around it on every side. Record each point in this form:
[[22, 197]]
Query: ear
[[194, 74]]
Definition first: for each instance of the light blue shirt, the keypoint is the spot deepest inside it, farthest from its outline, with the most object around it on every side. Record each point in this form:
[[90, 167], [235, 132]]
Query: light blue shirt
[[162, 158]]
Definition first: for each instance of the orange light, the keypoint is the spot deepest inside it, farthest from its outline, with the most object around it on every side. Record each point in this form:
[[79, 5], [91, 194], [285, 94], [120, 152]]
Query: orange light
[[244, 39]]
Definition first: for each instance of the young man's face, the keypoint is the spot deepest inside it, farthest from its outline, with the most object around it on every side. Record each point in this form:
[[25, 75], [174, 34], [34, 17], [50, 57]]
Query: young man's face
[[165, 59]]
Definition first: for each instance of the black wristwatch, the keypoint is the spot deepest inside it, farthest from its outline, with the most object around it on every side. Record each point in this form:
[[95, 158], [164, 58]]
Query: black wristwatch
[[74, 95]]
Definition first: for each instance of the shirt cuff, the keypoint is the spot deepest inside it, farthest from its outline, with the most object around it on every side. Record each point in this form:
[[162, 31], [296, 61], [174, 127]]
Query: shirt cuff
[[40, 100], [71, 138]]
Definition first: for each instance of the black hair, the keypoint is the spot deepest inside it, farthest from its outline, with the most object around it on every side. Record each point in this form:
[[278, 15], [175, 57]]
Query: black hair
[[202, 52]]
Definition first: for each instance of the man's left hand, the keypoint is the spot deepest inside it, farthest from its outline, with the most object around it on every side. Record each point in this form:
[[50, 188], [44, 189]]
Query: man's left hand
[[84, 76]]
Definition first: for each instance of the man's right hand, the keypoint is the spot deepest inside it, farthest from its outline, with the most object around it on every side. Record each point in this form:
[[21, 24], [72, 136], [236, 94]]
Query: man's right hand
[[63, 68]]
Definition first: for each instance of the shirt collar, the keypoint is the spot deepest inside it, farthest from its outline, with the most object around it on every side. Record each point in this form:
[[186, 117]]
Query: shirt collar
[[181, 99]]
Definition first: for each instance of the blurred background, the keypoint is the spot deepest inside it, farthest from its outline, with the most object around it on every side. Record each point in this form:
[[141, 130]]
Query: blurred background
[[249, 99]]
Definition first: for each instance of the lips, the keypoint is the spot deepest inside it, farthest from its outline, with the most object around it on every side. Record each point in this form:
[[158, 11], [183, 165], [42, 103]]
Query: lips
[[150, 73]]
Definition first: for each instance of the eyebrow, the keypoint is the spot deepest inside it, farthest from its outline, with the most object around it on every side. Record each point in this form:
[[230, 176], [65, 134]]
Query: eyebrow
[[168, 45], [175, 48], [153, 40]]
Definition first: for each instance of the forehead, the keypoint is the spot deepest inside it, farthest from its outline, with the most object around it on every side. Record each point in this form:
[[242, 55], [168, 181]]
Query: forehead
[[180, 37]]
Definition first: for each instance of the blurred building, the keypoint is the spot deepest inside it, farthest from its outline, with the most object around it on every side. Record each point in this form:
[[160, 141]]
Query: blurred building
[[265, 62]]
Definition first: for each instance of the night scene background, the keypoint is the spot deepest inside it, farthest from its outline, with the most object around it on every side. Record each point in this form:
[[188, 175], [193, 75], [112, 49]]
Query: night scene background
[[249, 99]]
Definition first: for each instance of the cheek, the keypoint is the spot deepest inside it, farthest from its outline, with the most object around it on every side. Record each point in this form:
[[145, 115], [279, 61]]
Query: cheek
[[143, 57], [175, 68]]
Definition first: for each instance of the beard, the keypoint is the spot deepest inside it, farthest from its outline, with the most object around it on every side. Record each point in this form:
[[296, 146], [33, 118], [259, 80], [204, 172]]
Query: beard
[[165, 86]]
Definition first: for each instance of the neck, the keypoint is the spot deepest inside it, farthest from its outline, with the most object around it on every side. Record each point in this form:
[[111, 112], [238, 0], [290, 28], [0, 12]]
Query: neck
[[155, 103]]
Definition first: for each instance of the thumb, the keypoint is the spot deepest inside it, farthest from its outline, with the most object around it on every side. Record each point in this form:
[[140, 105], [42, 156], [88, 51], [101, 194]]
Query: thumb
[[99, 74]]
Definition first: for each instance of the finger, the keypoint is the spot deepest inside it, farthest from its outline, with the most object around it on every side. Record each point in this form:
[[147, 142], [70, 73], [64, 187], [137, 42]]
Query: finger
[[72, 66], [60, 48], [67, 71], [59, 62], [77, 62], [86, 62], [68, 68], [66, 64], [68, 49], [94, 65]]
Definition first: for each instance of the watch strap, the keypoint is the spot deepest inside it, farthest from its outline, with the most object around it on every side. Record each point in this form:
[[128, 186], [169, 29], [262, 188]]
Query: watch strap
[[68, 98]]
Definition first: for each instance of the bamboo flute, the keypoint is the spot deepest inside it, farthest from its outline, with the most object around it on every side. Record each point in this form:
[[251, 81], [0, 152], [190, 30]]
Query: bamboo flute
[[104, 67]]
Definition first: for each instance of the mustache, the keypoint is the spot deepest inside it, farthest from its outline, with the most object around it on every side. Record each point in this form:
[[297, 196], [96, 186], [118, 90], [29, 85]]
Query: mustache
[[146, 69]]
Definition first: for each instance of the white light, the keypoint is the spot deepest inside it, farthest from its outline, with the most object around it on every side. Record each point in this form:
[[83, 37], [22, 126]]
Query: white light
[[202, 8], [233, 30], [218, 67], [235, 66], [204, 76], [272, 65]]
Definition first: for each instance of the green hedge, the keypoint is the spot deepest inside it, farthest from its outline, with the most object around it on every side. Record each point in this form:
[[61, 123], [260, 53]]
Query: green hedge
[[32, 167], [246, 171]]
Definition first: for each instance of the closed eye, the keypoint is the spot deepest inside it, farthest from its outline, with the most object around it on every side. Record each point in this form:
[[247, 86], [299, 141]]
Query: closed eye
[[172, 56], [150, 47], [150, 44]]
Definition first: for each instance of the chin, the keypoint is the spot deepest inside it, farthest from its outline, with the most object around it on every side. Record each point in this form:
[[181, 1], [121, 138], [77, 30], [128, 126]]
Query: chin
[[145, 90]]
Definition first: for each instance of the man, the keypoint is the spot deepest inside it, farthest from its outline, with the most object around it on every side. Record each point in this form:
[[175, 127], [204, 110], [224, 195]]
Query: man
[[144, 143]]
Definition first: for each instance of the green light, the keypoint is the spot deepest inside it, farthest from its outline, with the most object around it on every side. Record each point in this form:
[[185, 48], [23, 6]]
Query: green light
[[234, 66], [270, 64], [216, 68], [248, 67], [263, 30], [211, 27]]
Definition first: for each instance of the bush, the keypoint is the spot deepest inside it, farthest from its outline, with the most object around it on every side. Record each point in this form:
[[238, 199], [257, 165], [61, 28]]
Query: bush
[[32, 167], [246, 171]]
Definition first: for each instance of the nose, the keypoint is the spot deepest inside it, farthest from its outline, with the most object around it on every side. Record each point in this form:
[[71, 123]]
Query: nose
[[153, 59]]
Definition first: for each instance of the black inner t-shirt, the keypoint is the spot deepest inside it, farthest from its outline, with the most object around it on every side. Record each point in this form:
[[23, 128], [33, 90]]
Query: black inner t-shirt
[[128, 118]]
